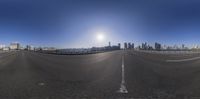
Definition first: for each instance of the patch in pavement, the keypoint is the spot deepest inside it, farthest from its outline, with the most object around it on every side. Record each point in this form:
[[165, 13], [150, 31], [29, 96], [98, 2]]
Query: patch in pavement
[[41, 84]]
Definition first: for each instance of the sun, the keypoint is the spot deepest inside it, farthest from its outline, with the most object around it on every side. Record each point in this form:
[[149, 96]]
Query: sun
[[100, 37]]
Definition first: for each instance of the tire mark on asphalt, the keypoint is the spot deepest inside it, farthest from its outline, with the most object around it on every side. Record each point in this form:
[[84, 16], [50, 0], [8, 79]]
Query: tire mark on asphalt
[[184, 60]]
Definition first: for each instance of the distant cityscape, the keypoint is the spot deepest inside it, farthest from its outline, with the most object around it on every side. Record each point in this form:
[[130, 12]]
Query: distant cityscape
[[109, 47]]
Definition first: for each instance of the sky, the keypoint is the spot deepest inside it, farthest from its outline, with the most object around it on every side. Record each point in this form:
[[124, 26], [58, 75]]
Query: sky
[[76, 23]]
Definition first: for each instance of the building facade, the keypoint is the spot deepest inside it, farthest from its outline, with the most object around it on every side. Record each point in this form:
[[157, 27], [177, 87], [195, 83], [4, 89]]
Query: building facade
[[125, 46], [157, 46], [14, 46]]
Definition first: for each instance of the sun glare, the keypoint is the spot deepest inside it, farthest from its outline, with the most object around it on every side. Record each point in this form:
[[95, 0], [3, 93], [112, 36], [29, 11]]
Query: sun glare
[[100, 37]]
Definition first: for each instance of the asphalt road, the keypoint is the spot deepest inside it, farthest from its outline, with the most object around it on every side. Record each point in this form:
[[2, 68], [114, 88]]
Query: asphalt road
[[30, 75]]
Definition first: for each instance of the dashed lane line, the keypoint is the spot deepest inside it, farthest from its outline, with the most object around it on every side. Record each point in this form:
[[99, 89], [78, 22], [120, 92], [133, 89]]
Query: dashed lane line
[[123, 88]]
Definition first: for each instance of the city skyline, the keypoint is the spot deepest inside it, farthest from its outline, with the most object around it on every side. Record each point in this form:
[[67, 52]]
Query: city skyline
[[126, 45], [75, 24]]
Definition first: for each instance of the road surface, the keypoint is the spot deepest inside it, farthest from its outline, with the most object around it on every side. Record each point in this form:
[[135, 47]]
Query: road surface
[[30, 75]]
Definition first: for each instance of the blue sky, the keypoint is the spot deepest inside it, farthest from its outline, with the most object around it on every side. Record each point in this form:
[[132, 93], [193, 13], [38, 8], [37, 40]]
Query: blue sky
[[75, 23]]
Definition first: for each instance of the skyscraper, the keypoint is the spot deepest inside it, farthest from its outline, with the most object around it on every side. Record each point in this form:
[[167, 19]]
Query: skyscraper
[[119, 45], [125, 46], [183, 46], [132, 46], [157, 46], [144, 46], [129, 45]]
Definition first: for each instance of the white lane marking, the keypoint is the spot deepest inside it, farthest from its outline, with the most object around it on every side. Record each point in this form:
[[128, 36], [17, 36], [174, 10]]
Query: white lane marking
[[183, 60], [122, 85]]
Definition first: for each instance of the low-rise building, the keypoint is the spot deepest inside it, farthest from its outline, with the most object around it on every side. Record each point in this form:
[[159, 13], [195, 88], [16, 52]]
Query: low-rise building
[[6, 49], [29, 48], [14, 46], [2, 46]]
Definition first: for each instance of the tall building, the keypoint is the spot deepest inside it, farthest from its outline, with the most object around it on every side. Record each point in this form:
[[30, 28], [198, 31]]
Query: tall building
[[29, 47], [157, 46], [125, 46], [109, 43], [144, 46], [183, 46], [14, 46], [119, 45], [129, 45], [132, 46]]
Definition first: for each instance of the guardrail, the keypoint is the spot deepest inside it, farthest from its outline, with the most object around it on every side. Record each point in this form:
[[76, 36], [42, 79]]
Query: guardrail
[[73, 53]]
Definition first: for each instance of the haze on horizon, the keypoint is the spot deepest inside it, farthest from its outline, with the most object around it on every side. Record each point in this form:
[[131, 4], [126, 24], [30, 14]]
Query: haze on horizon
[[76, 23]]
